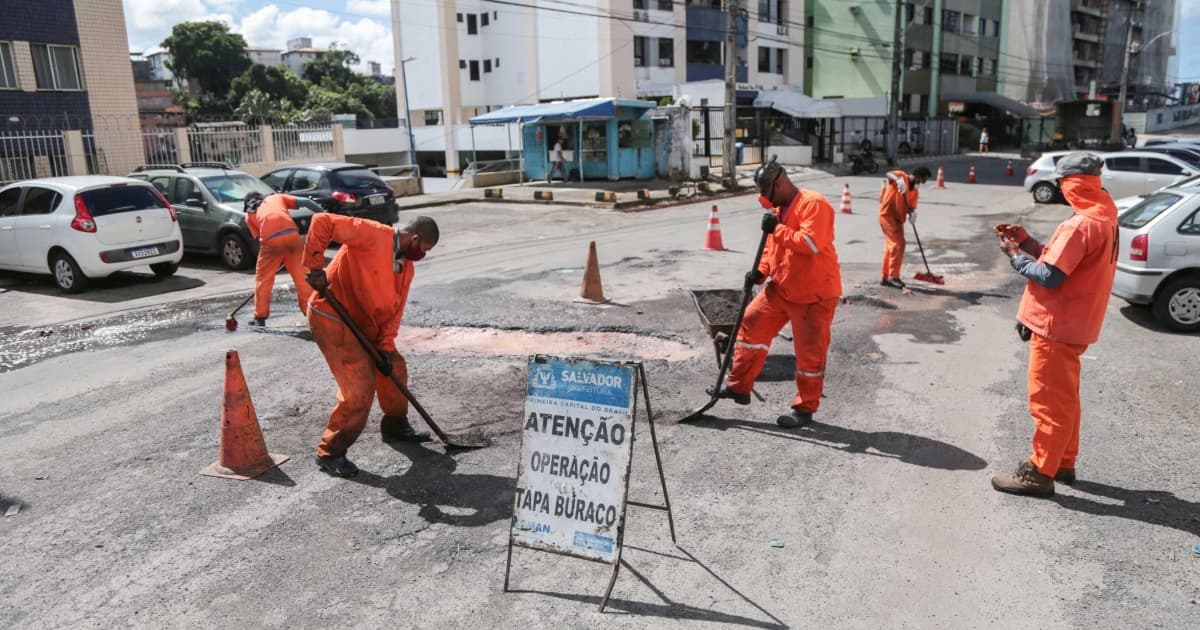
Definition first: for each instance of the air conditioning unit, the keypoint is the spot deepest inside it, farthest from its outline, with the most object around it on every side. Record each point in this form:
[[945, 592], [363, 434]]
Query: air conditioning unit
[[853, 53], [665, 63]]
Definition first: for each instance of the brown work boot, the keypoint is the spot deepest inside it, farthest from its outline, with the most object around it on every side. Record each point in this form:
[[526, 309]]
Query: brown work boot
[[1027, 480], [1065, 475], [397, 429]]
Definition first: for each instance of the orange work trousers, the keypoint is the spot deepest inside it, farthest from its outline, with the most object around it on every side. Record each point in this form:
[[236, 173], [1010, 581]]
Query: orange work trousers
[[893, 249], [358, 382], [765, 317], [1054, 403], [283, 250]]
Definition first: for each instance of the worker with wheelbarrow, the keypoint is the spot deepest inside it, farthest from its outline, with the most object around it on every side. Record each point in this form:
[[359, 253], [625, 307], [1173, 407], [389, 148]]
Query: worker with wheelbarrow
[[803, 284]]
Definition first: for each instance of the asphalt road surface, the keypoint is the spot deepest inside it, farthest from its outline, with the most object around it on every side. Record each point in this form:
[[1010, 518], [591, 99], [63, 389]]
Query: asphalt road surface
[[883, 506]]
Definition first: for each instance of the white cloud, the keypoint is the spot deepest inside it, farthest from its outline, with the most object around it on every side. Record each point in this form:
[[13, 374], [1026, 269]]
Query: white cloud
[[381, 8], [1191, 9]]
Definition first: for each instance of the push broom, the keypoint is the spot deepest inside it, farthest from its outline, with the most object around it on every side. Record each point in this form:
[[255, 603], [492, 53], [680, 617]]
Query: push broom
[[928, 276]]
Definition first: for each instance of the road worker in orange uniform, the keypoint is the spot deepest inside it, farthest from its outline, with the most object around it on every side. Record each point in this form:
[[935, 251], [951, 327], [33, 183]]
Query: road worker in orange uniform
[[1061, 313], [897, 202], [804, 285], [278, 243], [370, 275]]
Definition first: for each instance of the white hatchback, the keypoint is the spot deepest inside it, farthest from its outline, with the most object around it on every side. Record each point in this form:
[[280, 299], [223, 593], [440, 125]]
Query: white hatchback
[[76, 228], [1159, 257]]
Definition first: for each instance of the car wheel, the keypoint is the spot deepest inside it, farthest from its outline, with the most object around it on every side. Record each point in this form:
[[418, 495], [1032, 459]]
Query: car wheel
[[866, 145], [235, 253], [1044, 192], [164, 269], [67, 274], [1177, 305]]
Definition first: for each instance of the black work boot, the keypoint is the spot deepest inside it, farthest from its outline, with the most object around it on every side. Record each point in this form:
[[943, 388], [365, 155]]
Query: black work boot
[[258, 321], [795, 418], [397, 429], [338, 466], [1065, 475], [725, 392], [1026, 480]]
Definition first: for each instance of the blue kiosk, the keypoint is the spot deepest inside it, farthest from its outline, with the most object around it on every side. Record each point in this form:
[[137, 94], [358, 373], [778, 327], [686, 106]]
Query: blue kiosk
[[605, 138]]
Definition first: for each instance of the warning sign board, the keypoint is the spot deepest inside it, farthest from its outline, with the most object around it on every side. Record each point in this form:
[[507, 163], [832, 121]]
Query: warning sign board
[[576, 445]]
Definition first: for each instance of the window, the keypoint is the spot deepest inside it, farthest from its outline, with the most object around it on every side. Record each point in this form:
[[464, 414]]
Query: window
[[910, 12], [8, 71], [779, 55], [995, 29], [808, 62], [9, 200], [433, 117], [305, 179], [1127, 164], [40, 200], [968, 24], [640, 5], [497, 64], [966, 63], [764, 59], [639, 51], [459, 18], [105, 201], [473, 68], [1146, 210], [983, 26], [909, 56], [703, 52], [462, 64], [950, 21], [769, 10], [487, 65], [666, 5], [991, 66], [948, 63], [495, 16], [163, 184], [183, 190], [483, 19], [666, 52], [472, 24], [1156, 165], [928, 19], [1191, 225], [56, 67], [277, 179]]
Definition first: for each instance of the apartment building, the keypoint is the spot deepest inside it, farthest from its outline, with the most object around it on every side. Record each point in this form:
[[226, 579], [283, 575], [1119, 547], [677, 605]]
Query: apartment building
[[299, 53], [264, 56]]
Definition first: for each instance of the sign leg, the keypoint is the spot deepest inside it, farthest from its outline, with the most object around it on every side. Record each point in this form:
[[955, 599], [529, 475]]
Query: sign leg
[[612, 580], [508, 564], [657, 457]]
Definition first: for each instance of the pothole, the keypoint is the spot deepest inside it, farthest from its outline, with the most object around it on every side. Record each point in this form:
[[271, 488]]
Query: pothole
[[491, 341]]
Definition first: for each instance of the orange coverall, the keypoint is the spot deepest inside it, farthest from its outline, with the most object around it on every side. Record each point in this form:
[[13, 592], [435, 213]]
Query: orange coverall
[[1066, 319], [361, 278], [892, 215], [279, 243], [806, 282]]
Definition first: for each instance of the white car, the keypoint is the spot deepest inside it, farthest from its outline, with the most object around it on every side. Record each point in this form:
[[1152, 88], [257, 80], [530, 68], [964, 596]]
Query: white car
[[1126, 203], [1125, 174], [1159, 257], [1041, 180], [77, 228]]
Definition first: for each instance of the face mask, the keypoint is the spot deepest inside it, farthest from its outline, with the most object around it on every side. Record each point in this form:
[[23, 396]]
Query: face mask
[[767, 204]]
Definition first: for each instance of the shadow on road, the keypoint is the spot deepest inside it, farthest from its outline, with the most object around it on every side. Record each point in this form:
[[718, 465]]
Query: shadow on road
[[432, 484], [276, 477], [906, 447], [1144, 316], [1153, 507], [119, 287]]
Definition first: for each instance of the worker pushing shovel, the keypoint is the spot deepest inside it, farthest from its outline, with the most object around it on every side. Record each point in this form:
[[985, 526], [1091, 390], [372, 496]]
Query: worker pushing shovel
[[798, 263]]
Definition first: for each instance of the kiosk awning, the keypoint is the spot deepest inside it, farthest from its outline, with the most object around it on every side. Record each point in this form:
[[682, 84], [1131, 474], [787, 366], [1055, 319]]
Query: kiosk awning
[[596, 108]]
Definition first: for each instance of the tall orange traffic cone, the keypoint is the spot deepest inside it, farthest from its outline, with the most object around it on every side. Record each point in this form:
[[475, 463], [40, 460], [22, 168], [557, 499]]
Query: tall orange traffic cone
[[845, 205], [243, 453], [941, 179], [971, 174], [592, 292], [1008, 170], [712, 238]]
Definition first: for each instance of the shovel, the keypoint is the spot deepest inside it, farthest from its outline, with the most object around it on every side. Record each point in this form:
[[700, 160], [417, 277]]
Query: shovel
[[470, 440]]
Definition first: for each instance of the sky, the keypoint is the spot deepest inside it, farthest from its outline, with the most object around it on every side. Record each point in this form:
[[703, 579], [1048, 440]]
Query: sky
[[364, 26]]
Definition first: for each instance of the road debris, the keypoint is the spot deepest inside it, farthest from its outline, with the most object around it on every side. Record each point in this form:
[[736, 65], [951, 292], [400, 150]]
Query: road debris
[[13, 509], [778, 544]]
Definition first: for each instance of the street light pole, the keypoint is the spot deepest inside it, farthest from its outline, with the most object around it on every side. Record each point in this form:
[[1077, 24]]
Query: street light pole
[[1119, 110], [894, 103], [731, 12], [412, 143]]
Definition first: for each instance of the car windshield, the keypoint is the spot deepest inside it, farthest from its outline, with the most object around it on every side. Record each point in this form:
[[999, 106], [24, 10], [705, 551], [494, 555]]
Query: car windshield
[[121, 198], [1187, 181], [234, 187], [1147, 210], [358, 178]]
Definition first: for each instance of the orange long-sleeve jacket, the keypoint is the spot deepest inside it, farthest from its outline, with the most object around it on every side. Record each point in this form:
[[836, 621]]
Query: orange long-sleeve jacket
[[271, 219], [898, 189], [800, 257], [360, 275], [1084, 247]]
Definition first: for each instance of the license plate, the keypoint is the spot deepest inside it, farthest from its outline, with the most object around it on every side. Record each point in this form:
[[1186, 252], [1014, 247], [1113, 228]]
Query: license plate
[[376, 200], [144, 252]]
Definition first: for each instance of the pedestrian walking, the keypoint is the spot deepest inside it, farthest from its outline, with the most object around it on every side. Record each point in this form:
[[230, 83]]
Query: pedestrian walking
[[557, 162], [370, 275], [803, 284], [983, 140], [896, 203], [1061, 312], [279, 243]]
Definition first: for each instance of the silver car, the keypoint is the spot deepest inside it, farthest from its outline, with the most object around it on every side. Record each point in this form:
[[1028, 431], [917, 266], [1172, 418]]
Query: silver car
[[1159, 259]]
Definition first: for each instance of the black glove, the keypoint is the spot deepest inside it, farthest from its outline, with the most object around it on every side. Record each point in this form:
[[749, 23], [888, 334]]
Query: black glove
[[769, 221], [317, 280], [385, 362], [755, 277]]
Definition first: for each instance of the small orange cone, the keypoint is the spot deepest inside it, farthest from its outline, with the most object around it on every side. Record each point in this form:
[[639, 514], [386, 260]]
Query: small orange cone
[[1008, 170], [712, 238], [243, 453], [941, 179], [592, 292], [845, 206], [971, 174]]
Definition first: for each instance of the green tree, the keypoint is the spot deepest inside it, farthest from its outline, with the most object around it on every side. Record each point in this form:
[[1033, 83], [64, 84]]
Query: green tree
[[380, 100], [275, 82], [208, 53], [258, 106], [331, 70]]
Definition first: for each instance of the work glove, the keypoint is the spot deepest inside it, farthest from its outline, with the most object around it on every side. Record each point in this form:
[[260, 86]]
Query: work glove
[[912, 216], [317, 280], [769, 221], [385, 362], [755, 277], [1014, 232]]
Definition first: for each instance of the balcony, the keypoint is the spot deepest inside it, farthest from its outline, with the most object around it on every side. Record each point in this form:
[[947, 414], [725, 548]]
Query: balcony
[[705, 24], [707, 71], [1087, 37]]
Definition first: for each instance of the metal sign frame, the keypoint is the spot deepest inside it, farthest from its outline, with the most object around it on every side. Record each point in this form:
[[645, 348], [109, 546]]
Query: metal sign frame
[[641, 390]]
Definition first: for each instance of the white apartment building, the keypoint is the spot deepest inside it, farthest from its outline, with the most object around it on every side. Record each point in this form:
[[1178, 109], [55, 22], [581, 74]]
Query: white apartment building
[[299, 53], [265, 56]]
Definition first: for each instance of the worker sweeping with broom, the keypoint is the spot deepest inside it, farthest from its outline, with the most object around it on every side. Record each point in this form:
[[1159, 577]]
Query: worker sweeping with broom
[[896, 203], [371, 275], [279, 244], [803, 284]]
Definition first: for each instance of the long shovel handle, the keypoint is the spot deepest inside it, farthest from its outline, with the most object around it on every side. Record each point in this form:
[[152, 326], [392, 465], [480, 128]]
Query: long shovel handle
[[378, 360]]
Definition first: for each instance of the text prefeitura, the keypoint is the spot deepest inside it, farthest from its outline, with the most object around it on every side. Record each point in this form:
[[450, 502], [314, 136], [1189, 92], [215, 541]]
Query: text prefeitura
[[584, 429]]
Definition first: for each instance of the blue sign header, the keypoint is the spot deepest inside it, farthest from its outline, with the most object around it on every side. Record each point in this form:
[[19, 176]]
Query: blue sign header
[[581, 381]]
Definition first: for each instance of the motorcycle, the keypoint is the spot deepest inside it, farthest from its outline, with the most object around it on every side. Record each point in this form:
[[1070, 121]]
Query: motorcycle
[[863, 162]]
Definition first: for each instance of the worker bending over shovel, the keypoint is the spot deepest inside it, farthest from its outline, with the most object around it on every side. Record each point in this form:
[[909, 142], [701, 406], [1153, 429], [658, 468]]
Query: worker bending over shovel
[[896, 203], [370, 276], [1061, 313], [279, 243], [804, 285]]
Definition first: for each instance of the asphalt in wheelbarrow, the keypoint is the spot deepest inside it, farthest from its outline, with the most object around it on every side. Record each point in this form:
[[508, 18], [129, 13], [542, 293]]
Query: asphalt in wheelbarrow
[[719, 307]]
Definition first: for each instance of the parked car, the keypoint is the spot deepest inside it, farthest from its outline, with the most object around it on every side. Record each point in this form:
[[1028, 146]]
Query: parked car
[[1126, 203], [1041, 180], [1159, 259], [1136, 172], [80, 228], [339, 187], [208, 197], [1187, 153]]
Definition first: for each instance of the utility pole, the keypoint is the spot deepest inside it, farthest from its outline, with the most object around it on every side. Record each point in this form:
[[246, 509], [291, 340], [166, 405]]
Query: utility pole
[[1119, 110], [731, 13], [894, 104]]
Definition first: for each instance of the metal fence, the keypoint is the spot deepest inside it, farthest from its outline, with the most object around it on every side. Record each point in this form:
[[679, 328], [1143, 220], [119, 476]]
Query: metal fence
[[26, 154], [302, 142], [160, 146], [233, 145]]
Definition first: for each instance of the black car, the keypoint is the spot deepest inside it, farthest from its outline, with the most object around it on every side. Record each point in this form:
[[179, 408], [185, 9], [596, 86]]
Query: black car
[[338, 187]]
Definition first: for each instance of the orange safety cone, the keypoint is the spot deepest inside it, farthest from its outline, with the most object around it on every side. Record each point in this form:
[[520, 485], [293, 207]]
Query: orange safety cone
[[592, 292], [845, 205], [243, 453], [971, 174], [712, 238], [941, 179], [1008, 170]]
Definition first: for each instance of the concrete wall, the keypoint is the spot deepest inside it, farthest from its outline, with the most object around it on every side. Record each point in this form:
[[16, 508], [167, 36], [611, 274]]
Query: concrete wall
[[1165, 119], [795, 155]]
